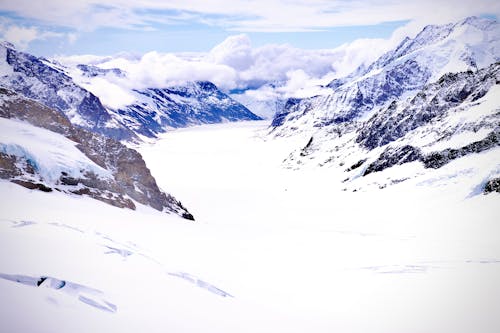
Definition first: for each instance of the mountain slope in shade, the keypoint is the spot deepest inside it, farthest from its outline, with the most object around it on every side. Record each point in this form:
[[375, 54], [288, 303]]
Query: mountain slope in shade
[[38, 79], [41, 149], [151, 111], [193, 103], [467, 45]]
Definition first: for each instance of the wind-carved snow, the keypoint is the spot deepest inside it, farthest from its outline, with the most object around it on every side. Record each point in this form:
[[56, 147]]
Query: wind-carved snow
[[200, 283], [84, 294]]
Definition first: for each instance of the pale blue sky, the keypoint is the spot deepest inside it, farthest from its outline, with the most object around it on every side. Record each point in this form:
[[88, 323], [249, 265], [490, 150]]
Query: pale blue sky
[[196, 38], [57, 27]]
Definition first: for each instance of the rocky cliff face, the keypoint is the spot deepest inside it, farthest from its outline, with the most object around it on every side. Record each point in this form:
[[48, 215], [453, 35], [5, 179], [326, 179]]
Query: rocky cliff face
[[432, 102], [455, 117], [126, 178], [401, 73]]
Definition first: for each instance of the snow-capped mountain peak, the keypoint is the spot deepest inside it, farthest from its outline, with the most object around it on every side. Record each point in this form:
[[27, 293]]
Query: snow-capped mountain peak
[[467, 45]]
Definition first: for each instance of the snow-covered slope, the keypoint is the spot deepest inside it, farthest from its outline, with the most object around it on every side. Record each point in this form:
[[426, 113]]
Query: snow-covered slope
[[96, 102], [38, 79], [149, 111], [274, 250], [193, 103], [41, 149], [467, 45], [49, 153], [455, 118]]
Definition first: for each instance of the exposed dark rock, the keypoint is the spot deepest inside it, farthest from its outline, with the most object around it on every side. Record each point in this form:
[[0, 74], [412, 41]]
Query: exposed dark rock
[[434, 100], [394, 156], [131, 178], [436, 160], [307, 147], [280, 117], [69, 181], [356, 165], [32, 186], [188, 216], [493, 185], [8, 166]]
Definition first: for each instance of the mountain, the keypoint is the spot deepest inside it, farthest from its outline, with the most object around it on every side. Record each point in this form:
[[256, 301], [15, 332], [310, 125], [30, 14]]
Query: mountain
[[41, 149], [153, 110], [38, 79], [467, 45], [453, 118], [430, 102], [150, 111], [193, 103]]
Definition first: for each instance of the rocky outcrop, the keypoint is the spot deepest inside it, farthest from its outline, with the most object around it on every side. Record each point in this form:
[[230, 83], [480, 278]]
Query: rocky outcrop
[[356, 165], [432, 102], [394, 156], [401, 72], [493, 185], [131, 179], [436, 160]]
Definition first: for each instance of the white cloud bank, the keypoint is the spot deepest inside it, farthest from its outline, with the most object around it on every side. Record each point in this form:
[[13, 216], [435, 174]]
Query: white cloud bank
[[267, 73], [235, 64]]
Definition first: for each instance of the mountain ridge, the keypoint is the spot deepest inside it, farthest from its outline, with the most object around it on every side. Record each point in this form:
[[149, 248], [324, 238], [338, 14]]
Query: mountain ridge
[[114, 174]]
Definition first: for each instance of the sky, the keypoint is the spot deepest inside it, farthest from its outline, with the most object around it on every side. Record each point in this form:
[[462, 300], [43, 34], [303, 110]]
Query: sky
[[60, 27]]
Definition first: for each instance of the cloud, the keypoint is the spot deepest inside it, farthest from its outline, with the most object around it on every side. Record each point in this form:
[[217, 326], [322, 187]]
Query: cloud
[[235, 51], [271, 71], [240, 15], [20, 36], [72, 37], [233, 64]]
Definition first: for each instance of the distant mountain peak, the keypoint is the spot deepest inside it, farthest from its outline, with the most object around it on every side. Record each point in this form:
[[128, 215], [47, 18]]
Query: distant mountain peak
[[7, 45], [470, 44]]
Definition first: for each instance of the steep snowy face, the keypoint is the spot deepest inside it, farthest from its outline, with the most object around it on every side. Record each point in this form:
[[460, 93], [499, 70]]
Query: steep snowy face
[[467, 45], [451, 91], [151, 111], [38, 79], [455, 118], [41, 149]]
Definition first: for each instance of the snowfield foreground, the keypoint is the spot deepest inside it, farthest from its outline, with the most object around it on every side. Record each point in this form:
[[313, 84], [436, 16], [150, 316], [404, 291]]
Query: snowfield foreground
[[271, 250]]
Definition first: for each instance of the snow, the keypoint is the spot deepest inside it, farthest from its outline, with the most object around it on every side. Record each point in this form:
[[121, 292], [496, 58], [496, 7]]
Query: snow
[[290, 250], [49, 152], [5, 68]]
